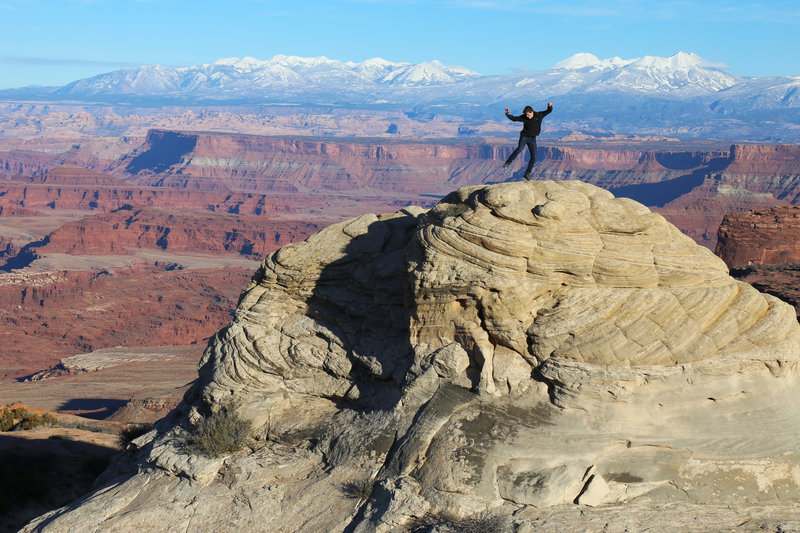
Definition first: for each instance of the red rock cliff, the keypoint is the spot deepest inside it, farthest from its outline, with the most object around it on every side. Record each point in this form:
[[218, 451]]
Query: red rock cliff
[[126, 229], [771, 169], [75, 188], [764, 237]]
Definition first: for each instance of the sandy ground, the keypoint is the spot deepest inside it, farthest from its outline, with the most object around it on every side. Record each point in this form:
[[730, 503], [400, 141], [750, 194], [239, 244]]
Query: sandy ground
[[126, 373], [58, 261], [45, 468]]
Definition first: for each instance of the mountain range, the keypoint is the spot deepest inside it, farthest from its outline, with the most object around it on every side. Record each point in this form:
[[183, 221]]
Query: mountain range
[[683, 95]]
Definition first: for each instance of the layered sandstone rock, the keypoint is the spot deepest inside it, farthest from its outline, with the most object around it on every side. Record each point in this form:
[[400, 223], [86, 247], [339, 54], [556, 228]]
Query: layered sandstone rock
[[73, 188], [699, 213], [175, 231], [763, 237], [70, 174], [51, 315], [293, 164], [762, 247], [517, 347]]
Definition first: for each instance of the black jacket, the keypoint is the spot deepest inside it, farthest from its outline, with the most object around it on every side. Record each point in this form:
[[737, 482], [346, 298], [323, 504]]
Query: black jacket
[[531, 126]]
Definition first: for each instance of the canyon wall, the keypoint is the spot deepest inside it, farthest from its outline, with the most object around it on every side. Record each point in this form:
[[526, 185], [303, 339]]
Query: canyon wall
[[56, 314], [76, 188], [320, 173], [762, 247], [694, 187], [249, 162], [763, 237], [128, 228], [291, 164], [767, 169]]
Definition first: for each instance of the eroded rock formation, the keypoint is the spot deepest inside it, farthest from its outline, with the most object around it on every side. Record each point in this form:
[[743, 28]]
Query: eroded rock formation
[[692, 184], [762, 237], [519, 346], [51, 315], [202, 233], [74, 188]]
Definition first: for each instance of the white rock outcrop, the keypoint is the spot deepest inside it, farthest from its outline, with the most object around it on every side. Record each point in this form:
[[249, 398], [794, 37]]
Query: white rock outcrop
[[519, 347]]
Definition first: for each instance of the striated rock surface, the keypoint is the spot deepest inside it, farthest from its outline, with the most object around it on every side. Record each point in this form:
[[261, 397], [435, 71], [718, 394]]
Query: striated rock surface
[[519, 347], [762, 237]]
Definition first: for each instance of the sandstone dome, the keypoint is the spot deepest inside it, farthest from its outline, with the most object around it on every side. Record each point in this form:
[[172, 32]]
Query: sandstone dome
[[518, 348]]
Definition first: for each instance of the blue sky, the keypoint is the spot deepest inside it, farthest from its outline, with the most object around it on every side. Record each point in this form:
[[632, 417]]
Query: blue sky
[[53, 42]]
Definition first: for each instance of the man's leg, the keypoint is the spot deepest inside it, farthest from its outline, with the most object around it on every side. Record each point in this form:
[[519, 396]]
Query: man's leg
[[531, 142], [515, 153]]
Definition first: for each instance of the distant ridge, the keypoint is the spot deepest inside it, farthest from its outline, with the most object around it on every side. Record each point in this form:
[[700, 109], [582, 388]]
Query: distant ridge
[[683, 95], [284, 77]]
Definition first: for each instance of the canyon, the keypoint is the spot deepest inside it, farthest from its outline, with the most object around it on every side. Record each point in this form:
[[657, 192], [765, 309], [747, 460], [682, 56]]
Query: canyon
[[760, 237], [762, 247], [531, 356], [692, 185], [180, 207], [145, 242]]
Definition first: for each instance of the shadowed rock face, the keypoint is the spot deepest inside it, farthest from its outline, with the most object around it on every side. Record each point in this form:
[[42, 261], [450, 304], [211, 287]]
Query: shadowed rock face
[[522, 344]]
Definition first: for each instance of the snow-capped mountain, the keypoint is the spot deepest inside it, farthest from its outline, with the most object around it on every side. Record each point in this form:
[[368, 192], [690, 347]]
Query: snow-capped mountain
[[250, 77], [683, 95], [681, 75]]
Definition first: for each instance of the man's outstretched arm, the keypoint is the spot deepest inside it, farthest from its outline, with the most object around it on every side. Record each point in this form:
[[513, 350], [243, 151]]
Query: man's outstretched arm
[[512, 117]]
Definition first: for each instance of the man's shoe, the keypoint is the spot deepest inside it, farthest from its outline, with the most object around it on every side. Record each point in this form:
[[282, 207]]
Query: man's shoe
[[505, 165], [527, 176]]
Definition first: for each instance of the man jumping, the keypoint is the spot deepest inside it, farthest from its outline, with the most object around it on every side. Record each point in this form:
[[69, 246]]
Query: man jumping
[[532, 125]]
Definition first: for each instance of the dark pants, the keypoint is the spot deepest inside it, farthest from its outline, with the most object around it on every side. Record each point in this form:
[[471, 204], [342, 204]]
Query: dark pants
[[530, 142]]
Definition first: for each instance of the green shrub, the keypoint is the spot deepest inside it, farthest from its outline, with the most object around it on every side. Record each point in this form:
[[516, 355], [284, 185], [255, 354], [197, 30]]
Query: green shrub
[[220, 433], [132, 432], [359, 490], [28, 420], [31, 420], [6, 420], [94, 428], [481, 523]]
